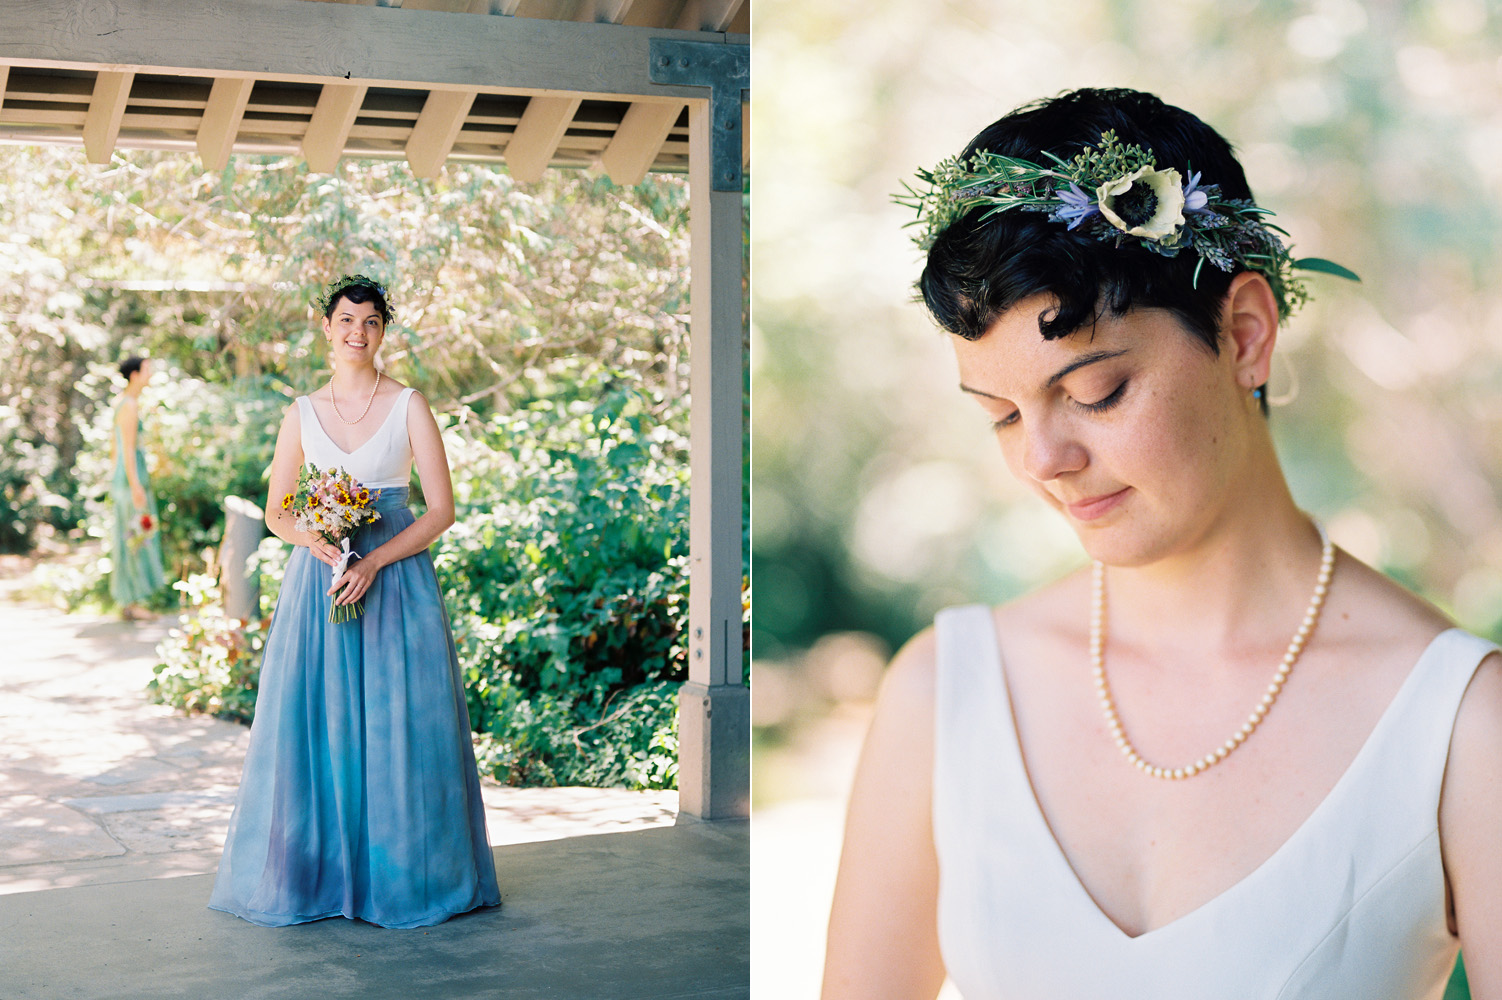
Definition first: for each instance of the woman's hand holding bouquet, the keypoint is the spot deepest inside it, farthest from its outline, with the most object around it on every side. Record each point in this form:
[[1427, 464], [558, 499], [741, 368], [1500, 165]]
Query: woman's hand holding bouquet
[[331, 504]]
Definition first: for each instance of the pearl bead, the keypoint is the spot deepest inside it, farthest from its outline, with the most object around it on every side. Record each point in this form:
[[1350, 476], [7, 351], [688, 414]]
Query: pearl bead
[[1259, 711]]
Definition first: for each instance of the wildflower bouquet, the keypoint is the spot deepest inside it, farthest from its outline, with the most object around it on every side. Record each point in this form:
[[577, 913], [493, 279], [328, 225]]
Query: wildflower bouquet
[[332, 504], [141, 527]]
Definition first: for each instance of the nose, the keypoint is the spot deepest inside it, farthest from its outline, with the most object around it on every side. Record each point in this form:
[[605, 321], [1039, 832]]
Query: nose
[[1050, 449]]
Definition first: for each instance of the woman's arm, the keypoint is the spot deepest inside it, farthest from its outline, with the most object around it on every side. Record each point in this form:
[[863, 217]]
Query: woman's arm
[[1470, 823], [437, 489], [126, 418], [883, 928], [285, 464]]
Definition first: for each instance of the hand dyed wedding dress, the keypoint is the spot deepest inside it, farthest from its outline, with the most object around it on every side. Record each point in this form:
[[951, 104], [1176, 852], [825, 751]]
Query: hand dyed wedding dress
[[359, 796]]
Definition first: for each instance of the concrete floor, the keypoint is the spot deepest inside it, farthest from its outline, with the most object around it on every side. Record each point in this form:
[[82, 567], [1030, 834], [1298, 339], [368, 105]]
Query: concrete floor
[[112, 814], [659, 913]]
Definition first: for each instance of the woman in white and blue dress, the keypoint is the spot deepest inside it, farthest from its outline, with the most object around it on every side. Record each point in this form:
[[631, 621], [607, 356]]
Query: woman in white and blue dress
[[359, 796], [1225, 761]]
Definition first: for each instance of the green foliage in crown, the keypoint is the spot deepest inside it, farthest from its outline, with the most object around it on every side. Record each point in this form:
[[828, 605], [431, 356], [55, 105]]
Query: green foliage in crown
[[1116, 193], [338, 286]]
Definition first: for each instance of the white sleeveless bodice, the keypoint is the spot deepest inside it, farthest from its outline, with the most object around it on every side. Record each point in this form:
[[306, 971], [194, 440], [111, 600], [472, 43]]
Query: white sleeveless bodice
[[383, 462], [1351, 906]]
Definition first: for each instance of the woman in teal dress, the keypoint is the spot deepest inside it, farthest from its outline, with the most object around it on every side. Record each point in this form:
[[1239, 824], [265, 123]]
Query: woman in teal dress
[[135, 547]]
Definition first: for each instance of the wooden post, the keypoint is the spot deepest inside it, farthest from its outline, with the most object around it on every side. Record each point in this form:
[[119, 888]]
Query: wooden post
[[714, 707], [244, 525]]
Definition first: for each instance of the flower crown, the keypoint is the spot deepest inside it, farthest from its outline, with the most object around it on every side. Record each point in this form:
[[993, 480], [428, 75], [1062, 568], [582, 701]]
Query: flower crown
[[1117, 193], [337, 288]]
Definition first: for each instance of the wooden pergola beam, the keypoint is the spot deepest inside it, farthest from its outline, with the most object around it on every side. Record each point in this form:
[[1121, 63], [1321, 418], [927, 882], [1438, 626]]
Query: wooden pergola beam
[[436, 130], [328, 129], [101, 126], [538, 134], [221, 120], [4, 81], [296, 40]]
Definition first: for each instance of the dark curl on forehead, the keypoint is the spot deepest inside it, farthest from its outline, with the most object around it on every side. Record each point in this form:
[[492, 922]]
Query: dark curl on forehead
[[977, 270]]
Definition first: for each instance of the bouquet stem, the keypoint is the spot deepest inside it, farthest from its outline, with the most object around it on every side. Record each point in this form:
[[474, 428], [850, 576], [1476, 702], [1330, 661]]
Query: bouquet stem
[[339, 613], [345, 612]]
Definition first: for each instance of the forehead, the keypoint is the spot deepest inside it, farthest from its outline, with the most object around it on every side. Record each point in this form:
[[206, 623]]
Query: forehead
[[1013, 358], [1013, 351], [357, 309]]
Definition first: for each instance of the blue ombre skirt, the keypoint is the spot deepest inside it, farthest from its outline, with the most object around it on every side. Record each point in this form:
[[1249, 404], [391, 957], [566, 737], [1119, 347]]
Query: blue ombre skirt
[[359, 796]]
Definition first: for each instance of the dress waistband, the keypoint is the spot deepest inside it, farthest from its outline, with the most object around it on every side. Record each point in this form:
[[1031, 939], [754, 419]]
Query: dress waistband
[[391, 498]]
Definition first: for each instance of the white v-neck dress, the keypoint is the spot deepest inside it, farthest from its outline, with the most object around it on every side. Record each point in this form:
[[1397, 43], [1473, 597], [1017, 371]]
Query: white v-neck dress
[[383, 460], [1351, 906]]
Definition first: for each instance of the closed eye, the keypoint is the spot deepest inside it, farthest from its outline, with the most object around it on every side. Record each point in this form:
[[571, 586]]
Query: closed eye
[[1006, 421], [1102, 405]]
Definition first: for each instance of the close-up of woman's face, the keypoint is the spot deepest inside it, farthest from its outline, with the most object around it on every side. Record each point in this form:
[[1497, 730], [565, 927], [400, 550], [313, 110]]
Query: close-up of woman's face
[[1130, 428], [354, 330]]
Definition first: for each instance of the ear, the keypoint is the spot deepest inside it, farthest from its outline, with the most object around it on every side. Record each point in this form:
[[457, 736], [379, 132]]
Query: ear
[[1249, 324]]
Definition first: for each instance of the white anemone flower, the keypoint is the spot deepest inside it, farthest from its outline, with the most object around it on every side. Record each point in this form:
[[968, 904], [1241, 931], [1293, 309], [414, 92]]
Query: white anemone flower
[[1147, 203]]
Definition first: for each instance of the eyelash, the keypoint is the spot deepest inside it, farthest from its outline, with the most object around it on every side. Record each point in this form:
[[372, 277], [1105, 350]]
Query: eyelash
[[1099, 406], [1102, 405]]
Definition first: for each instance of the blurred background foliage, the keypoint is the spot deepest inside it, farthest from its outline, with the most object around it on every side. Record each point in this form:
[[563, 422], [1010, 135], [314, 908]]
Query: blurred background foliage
[[547, 324], [1373, 130]]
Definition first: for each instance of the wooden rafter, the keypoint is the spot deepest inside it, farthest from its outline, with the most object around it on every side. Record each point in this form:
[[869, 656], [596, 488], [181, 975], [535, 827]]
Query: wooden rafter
[[605, 11], [636, 143], [437, 127], [537, 136], [101, 126], [328, 130], [221, 120], [709, 15]]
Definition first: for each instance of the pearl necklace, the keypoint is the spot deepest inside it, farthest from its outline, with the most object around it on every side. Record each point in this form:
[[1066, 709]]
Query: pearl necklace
[[367, 402], [1220, 753]]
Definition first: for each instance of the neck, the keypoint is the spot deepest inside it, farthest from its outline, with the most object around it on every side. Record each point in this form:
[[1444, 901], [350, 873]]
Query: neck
[[1237, 581], [354, 379]]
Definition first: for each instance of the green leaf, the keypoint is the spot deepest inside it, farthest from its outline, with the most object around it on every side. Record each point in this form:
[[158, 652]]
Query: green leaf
[[1322, 266]]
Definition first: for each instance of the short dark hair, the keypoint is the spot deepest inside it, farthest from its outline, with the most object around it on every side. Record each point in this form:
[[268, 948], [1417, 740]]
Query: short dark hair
[[359, 289], [130, 366], [977, 270]]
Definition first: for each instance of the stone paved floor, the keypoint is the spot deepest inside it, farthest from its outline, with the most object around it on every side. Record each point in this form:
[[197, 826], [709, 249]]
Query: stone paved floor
[[98, 785], [112, 817]]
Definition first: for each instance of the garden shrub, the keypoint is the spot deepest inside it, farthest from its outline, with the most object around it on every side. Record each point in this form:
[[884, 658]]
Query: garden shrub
[[567, 575], [211, 663]]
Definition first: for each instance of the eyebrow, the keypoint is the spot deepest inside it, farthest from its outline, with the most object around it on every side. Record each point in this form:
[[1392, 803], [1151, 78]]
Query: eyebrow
[[1053, 380]]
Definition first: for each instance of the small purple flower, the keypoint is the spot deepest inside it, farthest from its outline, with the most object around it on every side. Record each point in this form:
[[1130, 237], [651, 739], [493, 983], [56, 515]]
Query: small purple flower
[[1195, 200], [1076, 205]]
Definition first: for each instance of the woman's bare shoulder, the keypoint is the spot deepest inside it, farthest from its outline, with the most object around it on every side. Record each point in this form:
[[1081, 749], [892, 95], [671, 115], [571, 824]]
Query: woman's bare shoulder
[[909, 679], [1365, 608]]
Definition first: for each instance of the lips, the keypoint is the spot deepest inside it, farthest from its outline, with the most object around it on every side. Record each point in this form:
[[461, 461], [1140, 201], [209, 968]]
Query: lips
[[1097, 506]]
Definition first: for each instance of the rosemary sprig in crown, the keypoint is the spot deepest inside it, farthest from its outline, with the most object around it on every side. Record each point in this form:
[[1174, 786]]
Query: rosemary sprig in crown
[[1117, 193]]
